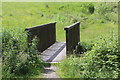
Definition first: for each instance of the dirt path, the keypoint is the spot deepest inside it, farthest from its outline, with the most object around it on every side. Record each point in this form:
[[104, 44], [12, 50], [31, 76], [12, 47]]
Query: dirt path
[[50, 72]]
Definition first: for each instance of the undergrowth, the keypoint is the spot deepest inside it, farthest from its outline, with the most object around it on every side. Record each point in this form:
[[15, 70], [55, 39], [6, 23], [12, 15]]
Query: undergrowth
[[19, 60], [101, 61]]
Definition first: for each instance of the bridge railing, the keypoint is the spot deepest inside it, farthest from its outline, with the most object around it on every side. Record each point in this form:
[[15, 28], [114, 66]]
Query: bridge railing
[[72, 37], [46, 35]]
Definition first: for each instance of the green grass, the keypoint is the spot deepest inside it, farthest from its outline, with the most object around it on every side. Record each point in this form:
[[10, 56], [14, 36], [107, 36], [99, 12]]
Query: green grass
[[22, 15], [96, 30]]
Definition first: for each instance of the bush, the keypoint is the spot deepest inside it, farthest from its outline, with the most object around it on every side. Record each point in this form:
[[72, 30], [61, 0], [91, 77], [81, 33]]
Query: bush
[[83, 47], [87, 8], [18, 58], [102, 61], [91, 8]]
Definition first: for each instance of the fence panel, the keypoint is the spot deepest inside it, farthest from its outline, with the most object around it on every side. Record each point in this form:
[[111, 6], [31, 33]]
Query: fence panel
[[72, 37], [46, 34]]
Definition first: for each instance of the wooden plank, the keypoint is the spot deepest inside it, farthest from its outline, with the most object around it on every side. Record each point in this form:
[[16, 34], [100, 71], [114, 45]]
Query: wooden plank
[[40, 26], [72, 37], [50, 53], [71, 26], [46, 34]]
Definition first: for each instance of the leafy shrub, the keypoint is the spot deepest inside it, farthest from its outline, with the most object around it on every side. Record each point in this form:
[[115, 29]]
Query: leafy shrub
[[46, 6], [18, 58], [87, 8], [82, 47], [91, 8], [102, 61], [103, 58]]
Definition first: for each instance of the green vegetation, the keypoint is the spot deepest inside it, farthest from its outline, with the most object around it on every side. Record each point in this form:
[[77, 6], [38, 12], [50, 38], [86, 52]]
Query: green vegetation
[[18, 60], [99, 48], [1, 69], [99, 62], [99, 44]]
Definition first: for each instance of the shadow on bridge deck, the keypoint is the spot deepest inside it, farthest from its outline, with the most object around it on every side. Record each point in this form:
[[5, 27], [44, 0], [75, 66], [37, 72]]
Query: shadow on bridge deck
[[54, 53]]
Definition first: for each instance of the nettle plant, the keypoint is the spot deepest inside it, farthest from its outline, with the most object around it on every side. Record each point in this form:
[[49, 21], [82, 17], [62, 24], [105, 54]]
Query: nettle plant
[[18, 58], [103, 58], [99, 61]]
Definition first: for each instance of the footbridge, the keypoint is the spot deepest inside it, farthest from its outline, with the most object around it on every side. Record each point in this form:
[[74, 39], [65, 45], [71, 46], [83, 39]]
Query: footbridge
[[51, 50]]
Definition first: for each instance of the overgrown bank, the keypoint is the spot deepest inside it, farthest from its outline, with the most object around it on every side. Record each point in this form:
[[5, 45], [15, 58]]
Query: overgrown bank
[[101, 61]]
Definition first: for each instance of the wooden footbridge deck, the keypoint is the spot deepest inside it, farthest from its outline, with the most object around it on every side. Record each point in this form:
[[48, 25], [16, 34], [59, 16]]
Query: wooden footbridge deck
[[51, 50]]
